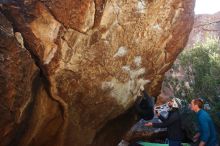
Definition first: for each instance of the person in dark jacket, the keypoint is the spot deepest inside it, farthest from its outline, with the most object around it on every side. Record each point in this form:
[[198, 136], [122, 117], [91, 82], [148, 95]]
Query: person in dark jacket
[[172, 123], [144, 106], [207, 133]]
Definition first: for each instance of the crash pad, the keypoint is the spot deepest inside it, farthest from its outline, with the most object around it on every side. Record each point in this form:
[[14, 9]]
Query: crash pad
[[157, 144]]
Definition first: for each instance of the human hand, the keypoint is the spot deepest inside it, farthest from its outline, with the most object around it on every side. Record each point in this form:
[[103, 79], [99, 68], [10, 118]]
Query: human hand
[[202, 143], [149, 124], [196, 137]]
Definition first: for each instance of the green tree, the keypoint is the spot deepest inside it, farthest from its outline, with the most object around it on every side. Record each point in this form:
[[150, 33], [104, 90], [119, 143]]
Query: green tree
[[201, 71]]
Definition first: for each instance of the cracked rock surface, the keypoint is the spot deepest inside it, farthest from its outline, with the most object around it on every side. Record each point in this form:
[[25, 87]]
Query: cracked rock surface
[[70, 68]]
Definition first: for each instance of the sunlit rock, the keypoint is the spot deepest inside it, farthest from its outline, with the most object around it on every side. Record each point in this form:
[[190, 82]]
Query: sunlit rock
[[95, 56]]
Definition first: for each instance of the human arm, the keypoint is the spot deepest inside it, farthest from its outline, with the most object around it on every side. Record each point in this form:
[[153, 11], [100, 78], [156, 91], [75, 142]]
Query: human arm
[[196, 137], [173, 117], [146, 96], [149, 124], [204, 129], [161, 117]]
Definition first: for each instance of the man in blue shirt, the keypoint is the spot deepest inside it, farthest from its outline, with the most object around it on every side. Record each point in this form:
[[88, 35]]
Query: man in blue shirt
[[207, 132]]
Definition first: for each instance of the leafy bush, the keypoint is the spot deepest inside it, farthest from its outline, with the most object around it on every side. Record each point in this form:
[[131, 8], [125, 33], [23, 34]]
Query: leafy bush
[[200, 76], [201, 72]]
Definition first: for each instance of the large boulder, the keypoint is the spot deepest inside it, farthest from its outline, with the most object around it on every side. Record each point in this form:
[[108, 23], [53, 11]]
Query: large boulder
[[94, 56], [17, 74]]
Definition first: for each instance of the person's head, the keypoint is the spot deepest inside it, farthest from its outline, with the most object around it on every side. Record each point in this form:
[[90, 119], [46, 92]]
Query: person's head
[[174, 103], [196, 104], [170, 103]]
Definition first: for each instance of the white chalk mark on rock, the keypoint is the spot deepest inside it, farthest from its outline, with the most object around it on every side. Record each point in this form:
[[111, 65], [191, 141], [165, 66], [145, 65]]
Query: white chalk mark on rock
[[122, 51]]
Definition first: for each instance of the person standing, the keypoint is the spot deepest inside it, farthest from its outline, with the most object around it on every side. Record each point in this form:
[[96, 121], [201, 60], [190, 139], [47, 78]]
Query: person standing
[[172, 123], [207, 133]]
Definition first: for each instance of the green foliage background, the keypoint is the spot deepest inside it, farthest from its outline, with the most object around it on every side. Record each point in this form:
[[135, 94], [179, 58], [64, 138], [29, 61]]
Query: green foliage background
[[201, 75], [201, 66]]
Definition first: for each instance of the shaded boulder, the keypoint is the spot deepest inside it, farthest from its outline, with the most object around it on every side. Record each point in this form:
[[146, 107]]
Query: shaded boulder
[[17, 74]]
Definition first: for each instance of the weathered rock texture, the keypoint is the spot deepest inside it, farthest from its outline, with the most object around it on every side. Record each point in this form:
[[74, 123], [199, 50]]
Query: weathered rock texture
[[205, 26], [17, 71], [93, 57]]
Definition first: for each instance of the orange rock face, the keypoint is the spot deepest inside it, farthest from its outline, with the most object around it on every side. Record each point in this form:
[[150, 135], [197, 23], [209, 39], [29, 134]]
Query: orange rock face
[[17, 73], [94, 56]]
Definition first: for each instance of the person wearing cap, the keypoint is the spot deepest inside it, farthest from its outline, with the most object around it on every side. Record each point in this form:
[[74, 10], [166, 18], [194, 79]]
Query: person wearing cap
[[172, 123], [207, 133]]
